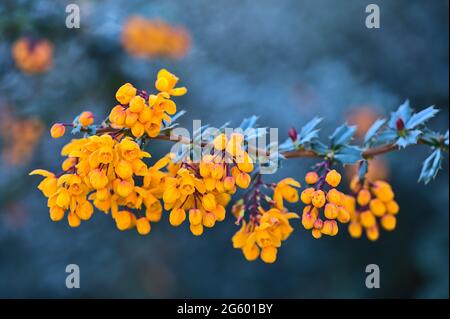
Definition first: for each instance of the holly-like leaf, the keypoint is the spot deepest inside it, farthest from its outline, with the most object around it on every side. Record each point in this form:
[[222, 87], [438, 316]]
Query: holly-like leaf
[[387, 136], [249, 122], [320, 148], [342, 135], [403, 112], [373, 130], [410, 138], [309, 131], [421, 117], [431, 166], [349, 154]]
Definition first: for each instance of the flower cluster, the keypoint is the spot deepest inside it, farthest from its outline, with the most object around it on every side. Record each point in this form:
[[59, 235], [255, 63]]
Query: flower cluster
[[262, 234], [204, 189], [324, 206], [143, 113], [155, 38], [371, 201], [106, 168], [32, 56]]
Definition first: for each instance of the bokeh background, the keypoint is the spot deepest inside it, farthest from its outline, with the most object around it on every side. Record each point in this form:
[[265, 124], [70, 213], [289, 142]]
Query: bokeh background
[[285, 61]]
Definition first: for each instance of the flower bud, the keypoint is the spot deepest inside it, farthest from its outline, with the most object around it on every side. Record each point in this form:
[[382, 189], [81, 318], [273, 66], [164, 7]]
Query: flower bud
[[57, 130]]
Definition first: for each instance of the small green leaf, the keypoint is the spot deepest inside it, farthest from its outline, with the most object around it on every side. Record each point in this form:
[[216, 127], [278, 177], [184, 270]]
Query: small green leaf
[[349, 154], [421, 117], [373, 130], [342, 135], [431, 166]]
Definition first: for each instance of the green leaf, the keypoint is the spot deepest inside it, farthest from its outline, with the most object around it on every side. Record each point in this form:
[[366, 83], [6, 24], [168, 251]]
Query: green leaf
[[388, 136], [349, 154], [421, 117], [431, 166], [342, 135], [410, 138], [373, 130], [309, 131]]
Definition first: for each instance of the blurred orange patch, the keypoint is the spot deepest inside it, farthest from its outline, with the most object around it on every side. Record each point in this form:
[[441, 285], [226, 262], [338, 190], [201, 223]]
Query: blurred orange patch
[[32, 56], [19, 137], [155, 38]]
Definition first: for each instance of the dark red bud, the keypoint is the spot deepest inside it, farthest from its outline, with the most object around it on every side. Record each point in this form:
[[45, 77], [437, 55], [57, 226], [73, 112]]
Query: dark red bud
[[400, 125], [292, 134]]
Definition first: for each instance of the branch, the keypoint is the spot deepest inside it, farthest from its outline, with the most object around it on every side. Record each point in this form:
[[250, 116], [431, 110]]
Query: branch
[[367, 154]]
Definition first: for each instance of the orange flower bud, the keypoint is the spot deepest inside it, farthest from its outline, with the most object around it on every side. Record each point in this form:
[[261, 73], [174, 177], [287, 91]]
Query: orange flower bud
[[220, 142], [86, 118], [56, 213], [229, 183], [269, 254], [372, 233], [306, 195], [334, 196], [388, 222], [243, 180], [377, 207], [177, 216], [331, 211], [363, 197], [333, 178], [251, 252], [98, 179], [367, 219], [118, 115], [124, 220], [392, 207], [209, 219], [209, 202], [343, 215], [195, 216], [196, 230], [316, 233], [355, 229], [143, 226], [124, 169], [57, 130], [74, 220], [311, 178], [318, 198]]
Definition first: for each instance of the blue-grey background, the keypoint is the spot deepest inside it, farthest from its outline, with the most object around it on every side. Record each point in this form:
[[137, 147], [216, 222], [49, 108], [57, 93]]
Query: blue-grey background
[[283, 60]]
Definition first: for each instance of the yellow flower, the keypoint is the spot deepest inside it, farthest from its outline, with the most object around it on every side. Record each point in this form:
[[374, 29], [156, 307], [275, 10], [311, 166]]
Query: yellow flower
[[177, 216], [166, 81], [286, 190], [125, 93], [143, 226]]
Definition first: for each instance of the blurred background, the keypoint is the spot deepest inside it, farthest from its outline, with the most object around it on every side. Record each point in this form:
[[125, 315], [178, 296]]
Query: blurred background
[[285, 61]]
